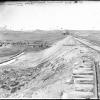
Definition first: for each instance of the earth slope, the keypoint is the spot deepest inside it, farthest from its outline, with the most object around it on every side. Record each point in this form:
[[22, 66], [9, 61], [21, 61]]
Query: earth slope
[[65, 70]]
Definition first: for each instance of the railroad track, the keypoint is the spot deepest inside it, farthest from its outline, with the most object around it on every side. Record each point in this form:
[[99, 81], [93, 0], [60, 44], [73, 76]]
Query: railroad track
[[85, 79]]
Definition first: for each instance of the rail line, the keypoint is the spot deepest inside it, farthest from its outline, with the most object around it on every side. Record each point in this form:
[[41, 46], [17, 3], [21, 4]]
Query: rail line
[[96, 67]]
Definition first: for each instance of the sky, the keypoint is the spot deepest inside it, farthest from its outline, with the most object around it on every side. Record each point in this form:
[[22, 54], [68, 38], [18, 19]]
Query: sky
[[51, 16]]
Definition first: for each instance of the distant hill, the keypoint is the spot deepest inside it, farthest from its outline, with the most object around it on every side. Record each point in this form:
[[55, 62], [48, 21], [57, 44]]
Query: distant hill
[[47, 35], [31, 35], [91, 35]]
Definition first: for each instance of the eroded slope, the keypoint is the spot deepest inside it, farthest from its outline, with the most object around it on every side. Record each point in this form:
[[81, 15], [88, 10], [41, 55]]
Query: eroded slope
[[58, 74]]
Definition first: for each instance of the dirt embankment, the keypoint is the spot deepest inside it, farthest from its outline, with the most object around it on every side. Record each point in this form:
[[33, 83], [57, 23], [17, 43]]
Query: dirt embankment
[[66, 71]]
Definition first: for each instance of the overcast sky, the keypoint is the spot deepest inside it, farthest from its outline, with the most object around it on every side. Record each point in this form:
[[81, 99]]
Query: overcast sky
[[47, 16]]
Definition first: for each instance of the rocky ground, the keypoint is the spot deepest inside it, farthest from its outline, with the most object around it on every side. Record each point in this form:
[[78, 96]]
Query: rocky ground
[[65, 70]]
